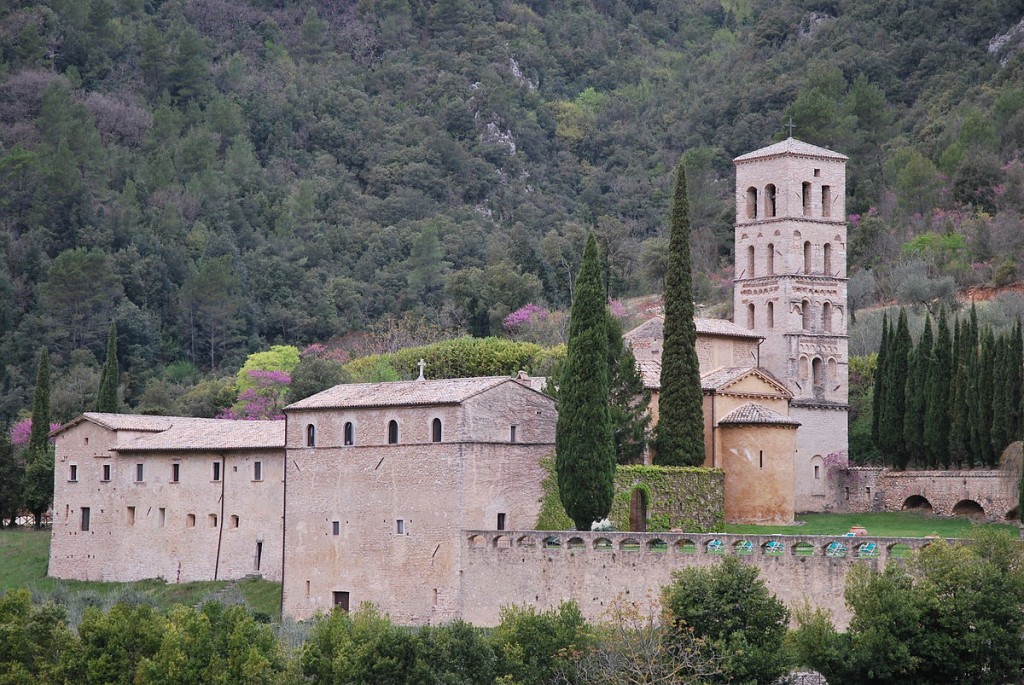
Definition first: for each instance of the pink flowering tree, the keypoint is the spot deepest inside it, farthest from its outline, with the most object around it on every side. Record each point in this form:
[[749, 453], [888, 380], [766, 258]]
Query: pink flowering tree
[[323, 351], [263, 399], [21, 431], [524, 317]]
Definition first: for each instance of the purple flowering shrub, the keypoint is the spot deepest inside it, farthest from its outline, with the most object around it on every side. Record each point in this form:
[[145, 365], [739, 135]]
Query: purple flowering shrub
[[263, 400], [22, 431], [524, 316]]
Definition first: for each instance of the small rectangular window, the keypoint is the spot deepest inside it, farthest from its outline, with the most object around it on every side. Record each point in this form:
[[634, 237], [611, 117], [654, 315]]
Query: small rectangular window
[[85, 518], [106, 472], [175, 473], [400, 527], [131, 516], [760, 458], [257, 470], [216, 470], [234, 520], [512, 433], [335, 527], [213, 520], [341, 601], [817, 472], [190, 520], [162, 518], [501, 521], [73, 475], [139, 473]]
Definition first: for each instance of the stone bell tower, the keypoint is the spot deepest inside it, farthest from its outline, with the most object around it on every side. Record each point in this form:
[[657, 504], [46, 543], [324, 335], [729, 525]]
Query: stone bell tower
[[790, 288]]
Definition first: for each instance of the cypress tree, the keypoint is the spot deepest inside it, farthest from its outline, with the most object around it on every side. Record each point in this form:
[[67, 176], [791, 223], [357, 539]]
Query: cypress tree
[[917, 381], [37, 483], [108, 400], [893, 407], [629, 399], [936, 419], [878, 398], [1001, 418], [584, 445], [680, 430], [959, 408], [11, 474], [981, 419], [1016, 382]]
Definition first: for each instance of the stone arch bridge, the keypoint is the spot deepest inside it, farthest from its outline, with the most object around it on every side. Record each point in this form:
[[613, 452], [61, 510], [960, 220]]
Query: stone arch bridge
[[988, 494]]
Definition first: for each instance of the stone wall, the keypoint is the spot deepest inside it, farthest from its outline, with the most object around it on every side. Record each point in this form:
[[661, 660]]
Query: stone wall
[[543, 569], [674, 497], [946, 493]]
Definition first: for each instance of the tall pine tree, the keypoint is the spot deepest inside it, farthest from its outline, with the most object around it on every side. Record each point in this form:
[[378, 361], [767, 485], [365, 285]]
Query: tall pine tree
[[981, 418], [936, 418], [37, 485], [629, 399], [680, 431], [917, 382], [108, 401], [960, 450], [584, 444], [11, 474], [878, 398]]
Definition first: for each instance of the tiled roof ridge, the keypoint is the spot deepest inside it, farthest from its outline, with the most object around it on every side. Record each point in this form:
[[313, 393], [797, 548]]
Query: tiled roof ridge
[[791, 146], [751, 412], [443, 391]]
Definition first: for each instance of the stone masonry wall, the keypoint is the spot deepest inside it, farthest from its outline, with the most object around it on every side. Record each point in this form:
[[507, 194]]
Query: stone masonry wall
[[868, 489], [543, 569]]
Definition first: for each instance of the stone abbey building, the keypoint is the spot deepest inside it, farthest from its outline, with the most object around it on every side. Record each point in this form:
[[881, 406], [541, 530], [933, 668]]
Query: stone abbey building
[[380, 492]]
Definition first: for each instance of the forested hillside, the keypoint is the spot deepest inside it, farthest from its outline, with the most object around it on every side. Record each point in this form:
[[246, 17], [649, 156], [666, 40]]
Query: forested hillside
[[221, 175]]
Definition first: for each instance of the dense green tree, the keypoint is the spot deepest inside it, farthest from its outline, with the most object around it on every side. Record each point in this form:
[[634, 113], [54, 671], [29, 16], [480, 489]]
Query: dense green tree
[[629, 399], [313, 375], [917, 384], [11, 475], [965, 350], [584, 444], [679, 436], [730, 607], [112, 643], [982, 417], [936, 419], [894, 404], [879, 397], [535, 647], [110, 381], [34, 638], [37, 485]]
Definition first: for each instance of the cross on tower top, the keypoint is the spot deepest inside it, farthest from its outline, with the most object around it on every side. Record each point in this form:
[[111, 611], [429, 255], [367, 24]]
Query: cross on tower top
[[422, 364], [790, 126]]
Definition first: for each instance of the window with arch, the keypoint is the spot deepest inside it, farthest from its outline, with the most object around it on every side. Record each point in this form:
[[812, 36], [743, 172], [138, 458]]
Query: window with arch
[[817, 371], [806, 198], [807, 257], [349, 437], [826, 200], [310, 435], [770, 262], [750, 316], [805, 312], [750, 262], [392, 432], [804, 367], [769, 200], [435, 430], [771, 315], [826, 255], [751, 202], [833, 369], [826, 317]]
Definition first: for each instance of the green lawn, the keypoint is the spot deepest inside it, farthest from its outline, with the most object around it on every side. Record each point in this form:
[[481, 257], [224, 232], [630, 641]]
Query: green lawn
[[890, 524], [23, 560]]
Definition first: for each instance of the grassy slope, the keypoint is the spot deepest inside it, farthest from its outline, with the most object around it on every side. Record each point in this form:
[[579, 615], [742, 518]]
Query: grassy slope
[[23, 561], [893, 524]]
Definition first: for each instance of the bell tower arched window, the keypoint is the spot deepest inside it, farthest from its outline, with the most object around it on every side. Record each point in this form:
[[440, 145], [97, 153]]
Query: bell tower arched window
[[392, 432], [771, 315], [826, 254], [817, 371], [769, 200], [807, 257], [310, 435], [770, 266], [751, 203], [826, 317], [751, 255], [750, 316], [806, 198], [435, 430], [805, 310], [350, 437]]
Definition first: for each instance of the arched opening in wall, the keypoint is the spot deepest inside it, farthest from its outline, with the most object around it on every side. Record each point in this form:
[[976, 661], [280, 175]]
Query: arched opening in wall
[[917, 503], [435, 430], [816, 371], [392, 432], [750, 316], [806, 198], [818, 473], [833, 369], [826, 200], [804, 368], [1013, 514], [805, 313], [807, 257], [826, 317], [350, 433], [771, 315], [826, 256], [969, 508], [310, 435], [771, 260], [751, 202], [769, 200], [638, 511], [750, 261]]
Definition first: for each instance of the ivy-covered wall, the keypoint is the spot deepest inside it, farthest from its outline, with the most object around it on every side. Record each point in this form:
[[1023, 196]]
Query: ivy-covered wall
[[686, 498]]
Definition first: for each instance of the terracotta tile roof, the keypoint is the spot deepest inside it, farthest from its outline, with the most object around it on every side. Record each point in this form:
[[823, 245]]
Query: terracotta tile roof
[[654, 327], [725, 376], [122, 422], [400, 393], [650, 371], [187, 434], [756, 413], [791, 146]]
